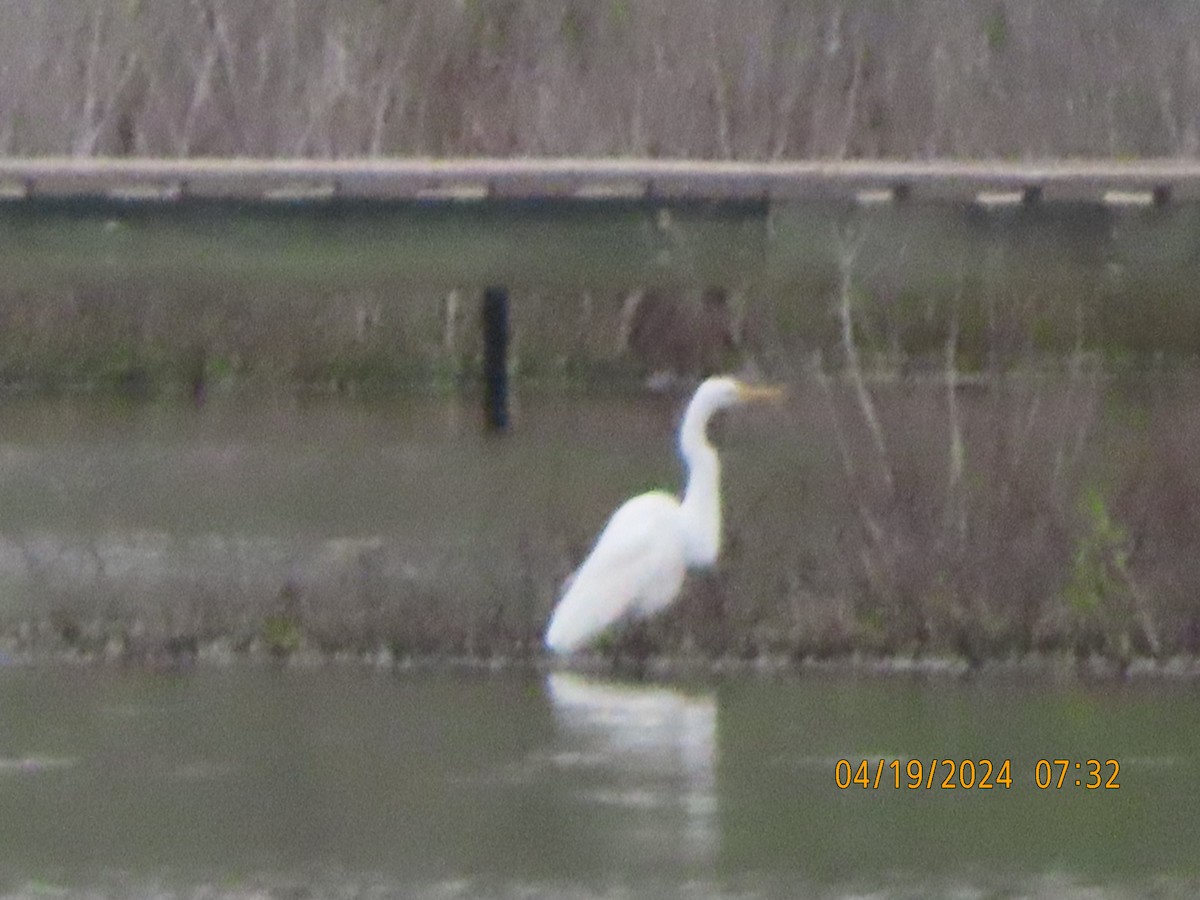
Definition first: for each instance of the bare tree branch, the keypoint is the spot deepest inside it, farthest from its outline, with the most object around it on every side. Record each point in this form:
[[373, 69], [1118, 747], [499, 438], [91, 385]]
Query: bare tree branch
[[956, 505], [720, 94], [201, 90], [849, 251], [851, 102], [227, 57]]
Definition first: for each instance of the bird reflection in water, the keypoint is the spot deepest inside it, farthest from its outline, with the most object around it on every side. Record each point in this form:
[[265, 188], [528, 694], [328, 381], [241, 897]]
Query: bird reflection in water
[[649, 749]]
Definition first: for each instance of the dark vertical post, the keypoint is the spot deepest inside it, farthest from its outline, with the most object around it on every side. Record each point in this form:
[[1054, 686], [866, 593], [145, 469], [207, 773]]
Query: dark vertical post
[[495, 358]]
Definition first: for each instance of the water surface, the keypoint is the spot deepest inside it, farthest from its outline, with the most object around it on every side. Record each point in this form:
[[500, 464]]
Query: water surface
[[343, 781]]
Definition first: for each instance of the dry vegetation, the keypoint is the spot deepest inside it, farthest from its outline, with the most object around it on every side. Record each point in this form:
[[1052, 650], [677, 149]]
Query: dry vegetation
[[747, 79]]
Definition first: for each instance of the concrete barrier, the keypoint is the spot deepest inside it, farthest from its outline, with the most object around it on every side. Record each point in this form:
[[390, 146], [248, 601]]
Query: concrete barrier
[[1151, 182]]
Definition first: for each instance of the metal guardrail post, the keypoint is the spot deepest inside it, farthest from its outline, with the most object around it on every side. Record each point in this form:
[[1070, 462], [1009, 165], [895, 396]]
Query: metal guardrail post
[[495, 358]]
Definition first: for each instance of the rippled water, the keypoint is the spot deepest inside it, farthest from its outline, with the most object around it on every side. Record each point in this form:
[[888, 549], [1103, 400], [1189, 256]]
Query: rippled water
[[339, 782]]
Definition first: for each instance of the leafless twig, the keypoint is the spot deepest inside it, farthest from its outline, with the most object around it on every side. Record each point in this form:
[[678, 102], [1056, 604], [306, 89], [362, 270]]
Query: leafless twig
[[849, 251]]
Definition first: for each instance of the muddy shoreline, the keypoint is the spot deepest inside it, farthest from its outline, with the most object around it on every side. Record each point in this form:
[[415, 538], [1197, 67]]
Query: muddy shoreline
[[179, 656]]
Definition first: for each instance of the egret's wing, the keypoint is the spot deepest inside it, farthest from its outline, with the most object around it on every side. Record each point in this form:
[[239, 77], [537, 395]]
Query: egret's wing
[[636, 568]]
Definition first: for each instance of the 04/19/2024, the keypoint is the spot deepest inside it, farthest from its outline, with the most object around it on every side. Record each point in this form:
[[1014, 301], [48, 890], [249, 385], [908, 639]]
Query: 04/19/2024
[[973, 774]]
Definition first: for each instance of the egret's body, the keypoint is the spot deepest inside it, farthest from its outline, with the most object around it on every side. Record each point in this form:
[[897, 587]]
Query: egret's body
[[637, 566]]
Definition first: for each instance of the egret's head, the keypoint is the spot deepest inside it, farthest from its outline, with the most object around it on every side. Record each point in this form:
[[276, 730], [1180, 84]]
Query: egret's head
[[722, 391]]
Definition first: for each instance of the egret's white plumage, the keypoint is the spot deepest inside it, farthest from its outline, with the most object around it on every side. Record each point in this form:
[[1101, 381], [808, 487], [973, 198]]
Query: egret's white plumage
[[638, 563]]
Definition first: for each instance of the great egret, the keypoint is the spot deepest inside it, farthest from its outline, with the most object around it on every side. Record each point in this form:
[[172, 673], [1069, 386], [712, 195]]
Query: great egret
[[637, 566]]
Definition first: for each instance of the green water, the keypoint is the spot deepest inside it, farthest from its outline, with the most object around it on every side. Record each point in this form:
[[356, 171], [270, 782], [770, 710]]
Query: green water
[[158, 280], [346, 245], [340, 781]]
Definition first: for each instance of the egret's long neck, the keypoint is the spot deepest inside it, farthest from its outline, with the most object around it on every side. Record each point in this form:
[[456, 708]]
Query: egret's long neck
[[702, 498]]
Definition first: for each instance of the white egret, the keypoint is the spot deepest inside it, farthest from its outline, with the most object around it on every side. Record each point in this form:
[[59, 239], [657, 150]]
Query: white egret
[[637, 566]]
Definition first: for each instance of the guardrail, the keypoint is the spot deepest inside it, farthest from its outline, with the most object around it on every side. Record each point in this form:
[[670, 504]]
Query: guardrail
[[987, 183]]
